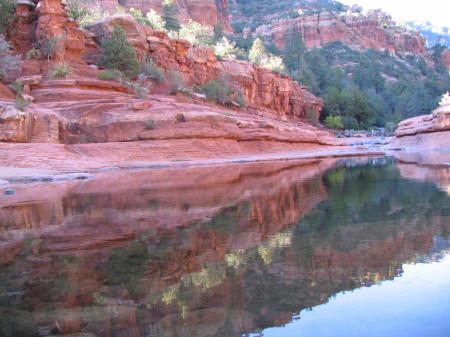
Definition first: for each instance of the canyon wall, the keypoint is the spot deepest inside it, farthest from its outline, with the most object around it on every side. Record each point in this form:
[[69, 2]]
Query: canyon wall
[[374, 30], [207, 12]]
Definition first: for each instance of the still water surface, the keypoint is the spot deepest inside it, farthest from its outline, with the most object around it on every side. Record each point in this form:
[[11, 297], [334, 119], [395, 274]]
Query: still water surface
[[312, 248]]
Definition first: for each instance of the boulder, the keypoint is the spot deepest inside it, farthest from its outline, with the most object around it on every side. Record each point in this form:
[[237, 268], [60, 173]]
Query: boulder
[[5, 92], [15, 125], [136, 35], [425, 132]]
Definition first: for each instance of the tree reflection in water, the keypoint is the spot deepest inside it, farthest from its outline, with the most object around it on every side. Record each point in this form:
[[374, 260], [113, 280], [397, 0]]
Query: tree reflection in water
[[209, 251]]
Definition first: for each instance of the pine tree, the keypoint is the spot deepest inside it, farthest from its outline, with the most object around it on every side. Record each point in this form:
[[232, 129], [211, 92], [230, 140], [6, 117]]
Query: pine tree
[[169, 15], [117, 53], [294, 48], [218, 32]]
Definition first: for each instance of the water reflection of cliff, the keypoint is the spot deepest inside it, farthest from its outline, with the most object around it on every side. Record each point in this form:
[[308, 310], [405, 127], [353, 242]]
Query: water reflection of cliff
[[175, 254]]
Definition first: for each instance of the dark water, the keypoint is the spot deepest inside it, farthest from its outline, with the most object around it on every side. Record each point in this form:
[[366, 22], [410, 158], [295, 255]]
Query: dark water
[[313, 248]]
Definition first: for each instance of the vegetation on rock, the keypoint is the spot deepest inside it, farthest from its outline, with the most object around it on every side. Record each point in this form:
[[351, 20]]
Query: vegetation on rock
[[61, 70], [117, 53], [8, 61], [176, 82], [7, 10], [149, 70], [169, 16]]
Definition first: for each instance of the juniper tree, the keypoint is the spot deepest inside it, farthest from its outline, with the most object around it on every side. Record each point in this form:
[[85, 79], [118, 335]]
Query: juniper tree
[[117, 53]]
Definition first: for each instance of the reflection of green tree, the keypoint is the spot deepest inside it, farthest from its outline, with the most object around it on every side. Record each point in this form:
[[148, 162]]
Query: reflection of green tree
[[128, 265], [369, 195], [14, 322]]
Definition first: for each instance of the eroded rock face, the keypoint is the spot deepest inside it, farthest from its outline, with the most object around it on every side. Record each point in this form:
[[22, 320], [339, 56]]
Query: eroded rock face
[[206, 12], [136, 34], [54, 22], [15, 125], [360, 32], [260, 87]]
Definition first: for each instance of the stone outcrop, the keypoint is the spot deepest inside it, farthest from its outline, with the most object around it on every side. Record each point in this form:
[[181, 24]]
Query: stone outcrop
[[428, 131], [373, 30], [15, 125], [260, 87], [206, 12], [136, 34], [53, 22]]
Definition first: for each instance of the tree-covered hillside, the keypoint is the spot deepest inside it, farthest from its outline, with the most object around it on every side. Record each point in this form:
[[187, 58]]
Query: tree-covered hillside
[[365, 87]]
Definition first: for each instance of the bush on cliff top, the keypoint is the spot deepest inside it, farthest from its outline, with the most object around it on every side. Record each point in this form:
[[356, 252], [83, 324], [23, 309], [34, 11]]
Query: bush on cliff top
[[117, 53]]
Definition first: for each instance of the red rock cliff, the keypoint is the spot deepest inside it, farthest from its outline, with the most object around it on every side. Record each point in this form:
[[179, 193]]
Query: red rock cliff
[[207, 12], [373, 30]]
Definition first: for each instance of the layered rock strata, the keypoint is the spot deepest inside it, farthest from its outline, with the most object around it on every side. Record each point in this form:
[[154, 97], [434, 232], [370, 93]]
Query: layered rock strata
[[206, 12], [425, 132], [375, 30]]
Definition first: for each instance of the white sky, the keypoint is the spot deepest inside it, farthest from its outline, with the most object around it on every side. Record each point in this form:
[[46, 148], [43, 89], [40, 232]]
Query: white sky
[[435, 11]]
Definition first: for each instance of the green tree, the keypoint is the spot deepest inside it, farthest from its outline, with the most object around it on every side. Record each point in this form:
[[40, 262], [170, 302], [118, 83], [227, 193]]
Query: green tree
[[304, 75], [294, 48], [218, 32], [7, 60], [169, 15], [334, 122], [7, 10], [117, 53], [257, 51]]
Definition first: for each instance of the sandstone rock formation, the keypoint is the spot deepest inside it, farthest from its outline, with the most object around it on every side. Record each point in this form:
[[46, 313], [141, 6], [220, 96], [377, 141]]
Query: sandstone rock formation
[[425, 132], [106, 127], [374, 30], [206, 12]]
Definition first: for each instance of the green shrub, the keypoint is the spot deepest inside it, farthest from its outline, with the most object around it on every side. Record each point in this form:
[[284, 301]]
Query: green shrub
[[175, 79], [149, 69], [61, 70], [83, 15], [350, 123], [77, 10], [150, 124], [140, 89], [117, 53], [7, 10], [21, 103], [217, 91], [48, 45], [239, 99], [334, 122], [390, 127], [112, 74], [7, 60]]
